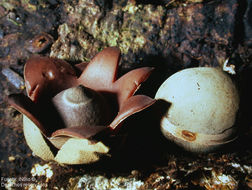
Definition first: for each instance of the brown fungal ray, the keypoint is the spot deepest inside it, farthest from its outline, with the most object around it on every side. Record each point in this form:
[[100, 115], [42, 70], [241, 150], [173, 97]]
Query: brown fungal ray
[[129, 83], [25, 106], [47, 76], [59, 137], [84, 132], [104, 65], [80, 67], [131, 106], [42, 114]]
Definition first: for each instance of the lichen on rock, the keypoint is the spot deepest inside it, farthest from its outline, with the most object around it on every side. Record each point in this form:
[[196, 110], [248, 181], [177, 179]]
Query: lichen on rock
[[193, 32]]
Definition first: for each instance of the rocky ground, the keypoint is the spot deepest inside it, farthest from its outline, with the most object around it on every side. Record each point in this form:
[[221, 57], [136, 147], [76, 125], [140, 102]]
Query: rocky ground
[[169, 35]]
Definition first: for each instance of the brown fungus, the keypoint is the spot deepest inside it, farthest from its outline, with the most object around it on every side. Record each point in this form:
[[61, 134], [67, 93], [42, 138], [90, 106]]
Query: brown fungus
[[58, 97]]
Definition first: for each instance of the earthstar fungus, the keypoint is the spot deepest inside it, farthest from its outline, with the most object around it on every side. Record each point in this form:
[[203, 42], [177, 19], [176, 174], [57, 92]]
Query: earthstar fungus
[[67, 107], [204, 103]]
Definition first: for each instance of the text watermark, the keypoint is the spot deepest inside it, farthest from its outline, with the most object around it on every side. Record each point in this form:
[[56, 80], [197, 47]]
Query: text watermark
[[15, 182]]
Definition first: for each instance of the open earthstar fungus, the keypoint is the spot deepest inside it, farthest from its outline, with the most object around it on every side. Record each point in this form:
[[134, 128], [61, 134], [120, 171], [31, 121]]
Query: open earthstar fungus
[[65, 111]]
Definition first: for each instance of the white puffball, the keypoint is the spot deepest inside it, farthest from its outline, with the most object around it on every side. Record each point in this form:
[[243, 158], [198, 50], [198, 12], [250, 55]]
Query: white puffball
[[203, 108]]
